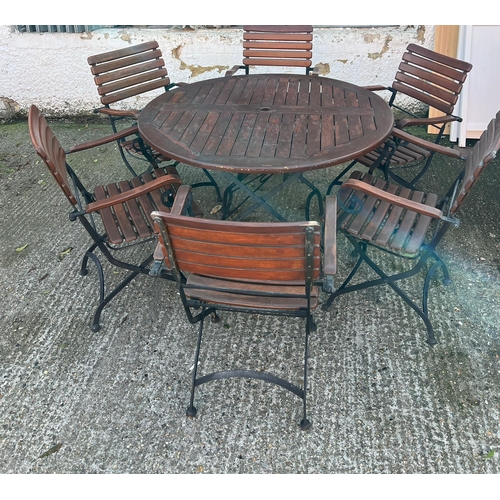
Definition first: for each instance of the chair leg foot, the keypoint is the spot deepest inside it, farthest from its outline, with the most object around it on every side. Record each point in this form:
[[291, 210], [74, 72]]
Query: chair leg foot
[[191, 411], [305, 424], [215, 318], [95, 327]]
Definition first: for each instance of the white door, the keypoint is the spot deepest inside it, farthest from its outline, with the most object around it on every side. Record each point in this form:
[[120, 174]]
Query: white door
[[480, 97]]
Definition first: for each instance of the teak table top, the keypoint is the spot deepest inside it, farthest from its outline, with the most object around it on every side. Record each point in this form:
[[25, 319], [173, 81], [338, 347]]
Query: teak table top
[[266, 123]]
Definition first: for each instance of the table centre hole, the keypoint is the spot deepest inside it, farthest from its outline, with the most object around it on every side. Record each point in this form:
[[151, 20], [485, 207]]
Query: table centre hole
[[265, 108]]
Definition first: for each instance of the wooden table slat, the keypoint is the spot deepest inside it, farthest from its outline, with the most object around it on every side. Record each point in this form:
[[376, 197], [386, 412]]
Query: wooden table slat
[[217, 133], [244, 135], [271, 138]]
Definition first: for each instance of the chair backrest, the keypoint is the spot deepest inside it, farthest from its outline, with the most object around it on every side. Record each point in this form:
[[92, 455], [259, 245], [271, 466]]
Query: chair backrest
[[277, 46], [120, 74], [241, 251], [483, 152], [49, 149], [432, 78]]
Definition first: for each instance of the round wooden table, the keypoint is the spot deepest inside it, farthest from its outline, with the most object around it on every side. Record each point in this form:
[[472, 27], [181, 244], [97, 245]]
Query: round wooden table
[[266, 123]]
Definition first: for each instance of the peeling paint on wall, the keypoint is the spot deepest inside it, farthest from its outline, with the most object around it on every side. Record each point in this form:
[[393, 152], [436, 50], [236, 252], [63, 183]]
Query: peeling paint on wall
[[421, 34], [323, 68], [199, 70], [371, 37], [126, 37], [176, 52], [195, 69], [385, 48]]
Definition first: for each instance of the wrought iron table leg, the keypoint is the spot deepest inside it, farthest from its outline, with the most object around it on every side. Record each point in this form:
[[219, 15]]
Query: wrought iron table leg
[[261, 201]]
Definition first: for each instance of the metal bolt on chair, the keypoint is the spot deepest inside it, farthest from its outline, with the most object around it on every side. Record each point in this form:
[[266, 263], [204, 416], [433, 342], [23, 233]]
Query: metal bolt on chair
[[255, 268], [377, 216], [427, 77], [125, 73], [116, 216]]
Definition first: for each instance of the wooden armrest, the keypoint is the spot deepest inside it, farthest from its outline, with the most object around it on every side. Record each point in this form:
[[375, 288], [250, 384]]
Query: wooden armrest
[[375, 88], [103, 140], [423, 143], [182, 198], [133, 193], [132, 113], [233, 70], [330, 237], [380, 194], [411, 122]]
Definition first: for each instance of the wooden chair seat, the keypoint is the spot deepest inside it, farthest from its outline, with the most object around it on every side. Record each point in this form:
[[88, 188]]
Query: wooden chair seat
[[403, 155], [231, 294], [128, 221], [133, 147], [388, 225]]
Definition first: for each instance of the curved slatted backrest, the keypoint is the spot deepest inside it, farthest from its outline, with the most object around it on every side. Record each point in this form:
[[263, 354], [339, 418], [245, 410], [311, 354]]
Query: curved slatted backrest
[[49, 149], [247, 251], [434, 79], [483, 152], [277, 46], [124, 73]]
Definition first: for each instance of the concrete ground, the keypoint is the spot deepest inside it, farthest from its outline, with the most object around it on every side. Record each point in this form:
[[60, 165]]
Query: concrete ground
[[381, 400]]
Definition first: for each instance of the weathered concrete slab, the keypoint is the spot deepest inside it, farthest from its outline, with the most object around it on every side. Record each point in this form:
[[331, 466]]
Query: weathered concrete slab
[[381, 400]]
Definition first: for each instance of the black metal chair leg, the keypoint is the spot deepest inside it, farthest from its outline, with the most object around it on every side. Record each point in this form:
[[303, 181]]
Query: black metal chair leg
[[214, 184], [124, 158], [305, 423], [191, 410], [336, 181], [227, 200], [446, 275], [338, 291], [90, 255], [97, 316], [314, 192], [431, 339], [84, 269], [103, 301]]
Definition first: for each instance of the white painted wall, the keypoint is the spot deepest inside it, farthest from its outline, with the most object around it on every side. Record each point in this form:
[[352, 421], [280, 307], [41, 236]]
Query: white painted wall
[[51, 70]]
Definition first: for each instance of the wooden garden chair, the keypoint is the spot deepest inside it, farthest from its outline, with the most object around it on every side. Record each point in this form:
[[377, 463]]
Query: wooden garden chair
[[285, 46], [116, 216], [429, 78], [376, 215], [130, 72], [256, 268]]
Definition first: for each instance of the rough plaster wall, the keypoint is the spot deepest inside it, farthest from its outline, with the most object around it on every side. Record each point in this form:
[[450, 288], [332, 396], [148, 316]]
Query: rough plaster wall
[[51, 70]]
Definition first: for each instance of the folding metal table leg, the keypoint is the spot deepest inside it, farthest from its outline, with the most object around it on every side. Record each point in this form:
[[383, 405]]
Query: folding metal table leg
[[261, 201]]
